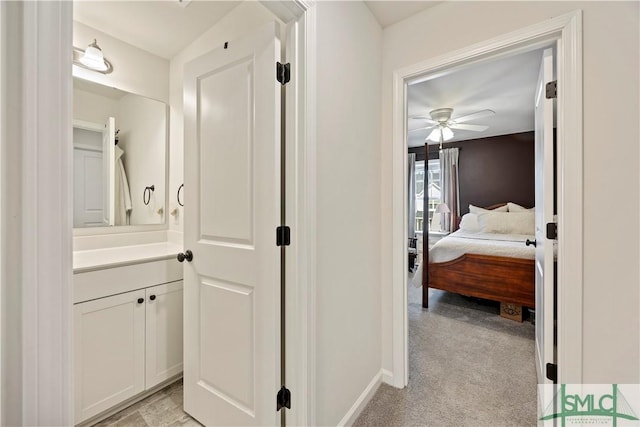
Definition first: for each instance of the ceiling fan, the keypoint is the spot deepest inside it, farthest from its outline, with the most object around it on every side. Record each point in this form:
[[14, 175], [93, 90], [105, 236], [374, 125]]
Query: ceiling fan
[[442, 124]]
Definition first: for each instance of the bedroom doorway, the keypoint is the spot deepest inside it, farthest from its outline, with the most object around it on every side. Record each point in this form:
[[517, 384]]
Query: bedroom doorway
[[479, 219], [564, 31]]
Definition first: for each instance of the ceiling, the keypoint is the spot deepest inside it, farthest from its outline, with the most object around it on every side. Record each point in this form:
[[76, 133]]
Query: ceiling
[[163, 28], [506, 86], [389, 12]]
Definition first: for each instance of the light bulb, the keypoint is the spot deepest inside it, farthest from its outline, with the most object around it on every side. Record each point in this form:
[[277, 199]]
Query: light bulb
[[93, 58]]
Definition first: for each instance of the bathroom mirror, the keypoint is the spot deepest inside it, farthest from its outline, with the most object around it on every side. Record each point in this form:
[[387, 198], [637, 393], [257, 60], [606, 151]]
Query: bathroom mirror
[[119, 157]]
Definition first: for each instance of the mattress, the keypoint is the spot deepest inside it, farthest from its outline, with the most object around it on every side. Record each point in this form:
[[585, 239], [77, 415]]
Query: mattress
[[462, 242]]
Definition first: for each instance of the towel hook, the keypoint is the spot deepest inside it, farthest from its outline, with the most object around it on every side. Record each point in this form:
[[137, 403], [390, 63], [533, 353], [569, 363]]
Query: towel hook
[[178, 195], [147, 192]]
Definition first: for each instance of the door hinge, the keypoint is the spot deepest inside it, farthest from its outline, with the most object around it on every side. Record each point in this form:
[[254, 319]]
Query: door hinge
[[283, 236], [283, 399], [551, 89], [552, 231], [283, 73], [552, 372]]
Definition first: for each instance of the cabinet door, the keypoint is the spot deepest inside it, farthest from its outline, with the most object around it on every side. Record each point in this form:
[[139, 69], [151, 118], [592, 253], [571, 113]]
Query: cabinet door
[[164, 332], [109, 352]]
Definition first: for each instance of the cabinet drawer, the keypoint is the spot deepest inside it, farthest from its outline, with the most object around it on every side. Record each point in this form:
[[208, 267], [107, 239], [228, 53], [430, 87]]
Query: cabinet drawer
[[110, 281]]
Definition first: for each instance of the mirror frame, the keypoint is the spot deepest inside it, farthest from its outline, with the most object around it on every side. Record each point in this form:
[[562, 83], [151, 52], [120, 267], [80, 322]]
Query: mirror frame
[[117, 229]]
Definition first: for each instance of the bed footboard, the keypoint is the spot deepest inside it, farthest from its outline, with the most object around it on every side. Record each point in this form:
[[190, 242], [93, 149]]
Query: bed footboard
[[502, 279]]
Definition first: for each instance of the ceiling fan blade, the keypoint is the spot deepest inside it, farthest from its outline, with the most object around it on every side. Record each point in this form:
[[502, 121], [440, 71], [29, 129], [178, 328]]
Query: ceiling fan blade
[[473, 116], [424, 128], [475, 128], [425, 118]]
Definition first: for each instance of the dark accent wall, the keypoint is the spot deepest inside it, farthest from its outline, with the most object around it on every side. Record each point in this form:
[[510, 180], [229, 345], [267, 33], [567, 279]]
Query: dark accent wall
[[494, 170], [419, 151]]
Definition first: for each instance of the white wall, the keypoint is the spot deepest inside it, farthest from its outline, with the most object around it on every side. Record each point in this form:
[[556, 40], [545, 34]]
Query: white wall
[[611, 347], [239, 21], [134, 70], [143, 137], [93, 108], [348, 206]]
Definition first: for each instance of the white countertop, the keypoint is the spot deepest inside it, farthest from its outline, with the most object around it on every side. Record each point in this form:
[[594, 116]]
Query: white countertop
[[97, 259]]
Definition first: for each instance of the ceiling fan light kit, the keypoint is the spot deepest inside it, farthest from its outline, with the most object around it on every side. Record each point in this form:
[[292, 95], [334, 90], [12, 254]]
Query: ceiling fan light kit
[[441, 131], [443, 125]]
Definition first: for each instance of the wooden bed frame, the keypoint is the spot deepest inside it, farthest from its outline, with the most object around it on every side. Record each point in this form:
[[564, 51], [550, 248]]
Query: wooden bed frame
[[503, 279]]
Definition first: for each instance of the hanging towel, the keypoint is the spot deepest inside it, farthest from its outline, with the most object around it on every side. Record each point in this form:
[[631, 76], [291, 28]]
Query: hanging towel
[[123, 196]]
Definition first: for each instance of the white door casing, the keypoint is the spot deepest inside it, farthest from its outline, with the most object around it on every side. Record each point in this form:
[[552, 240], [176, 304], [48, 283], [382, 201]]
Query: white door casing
[[108, 171], [545, 190], [232, 286], [567, 31]]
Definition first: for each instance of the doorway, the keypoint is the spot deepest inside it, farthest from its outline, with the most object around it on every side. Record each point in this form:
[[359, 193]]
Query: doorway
[[565, 31], [46, 28]]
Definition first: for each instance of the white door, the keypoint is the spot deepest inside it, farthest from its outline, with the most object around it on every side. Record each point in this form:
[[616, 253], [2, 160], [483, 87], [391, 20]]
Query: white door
[[108, 352], [87, 188], [108, 171], [232, 286], [545, 190], [163, 332]]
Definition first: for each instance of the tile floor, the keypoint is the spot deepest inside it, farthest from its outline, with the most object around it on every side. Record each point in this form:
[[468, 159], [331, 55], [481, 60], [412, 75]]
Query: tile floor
[[161, 409]]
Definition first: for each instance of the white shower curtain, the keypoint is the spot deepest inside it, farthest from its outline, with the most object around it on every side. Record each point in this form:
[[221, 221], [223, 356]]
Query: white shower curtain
[[450, 189], [123, 195]]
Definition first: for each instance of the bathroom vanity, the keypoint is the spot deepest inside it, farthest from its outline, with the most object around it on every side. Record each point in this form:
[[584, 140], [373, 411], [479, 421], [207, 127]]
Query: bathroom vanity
[[127, 325]]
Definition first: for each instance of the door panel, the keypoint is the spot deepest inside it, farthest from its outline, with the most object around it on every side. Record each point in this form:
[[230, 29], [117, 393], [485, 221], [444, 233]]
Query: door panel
[[232, 286], [232, 376], [226, 152], [544, 259], [87, 188]]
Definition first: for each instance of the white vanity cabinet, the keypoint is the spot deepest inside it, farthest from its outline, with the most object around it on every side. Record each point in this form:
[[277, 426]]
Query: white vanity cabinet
[[127, 334], [109, 352], [163, 333]]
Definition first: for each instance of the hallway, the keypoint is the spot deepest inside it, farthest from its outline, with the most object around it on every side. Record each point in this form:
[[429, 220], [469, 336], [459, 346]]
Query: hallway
[[468, 367]]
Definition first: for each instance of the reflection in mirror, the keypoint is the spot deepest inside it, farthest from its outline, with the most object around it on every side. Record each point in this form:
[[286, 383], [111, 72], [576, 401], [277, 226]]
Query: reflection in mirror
[[119, 152]]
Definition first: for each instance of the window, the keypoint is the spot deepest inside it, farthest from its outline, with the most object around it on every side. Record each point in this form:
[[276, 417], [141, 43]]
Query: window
[[432, 175]]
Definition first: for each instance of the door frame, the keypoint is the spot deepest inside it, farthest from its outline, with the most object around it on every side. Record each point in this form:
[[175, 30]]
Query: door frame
[[36, 281], [567, 31]]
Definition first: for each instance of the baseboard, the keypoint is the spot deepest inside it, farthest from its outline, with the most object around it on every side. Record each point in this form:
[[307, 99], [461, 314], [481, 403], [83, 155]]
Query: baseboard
[[360, 403], [387, 377]]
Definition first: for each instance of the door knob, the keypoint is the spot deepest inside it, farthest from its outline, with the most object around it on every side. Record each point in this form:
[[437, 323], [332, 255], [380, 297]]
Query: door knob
[[140, 300], [530, 242], [152, 297], [188, 255]]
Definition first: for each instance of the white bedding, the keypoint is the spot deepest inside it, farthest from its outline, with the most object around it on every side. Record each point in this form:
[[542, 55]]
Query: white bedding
[[462, 242]]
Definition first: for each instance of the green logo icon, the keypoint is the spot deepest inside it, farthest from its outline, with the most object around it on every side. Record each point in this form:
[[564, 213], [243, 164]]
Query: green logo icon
[[567, 405]]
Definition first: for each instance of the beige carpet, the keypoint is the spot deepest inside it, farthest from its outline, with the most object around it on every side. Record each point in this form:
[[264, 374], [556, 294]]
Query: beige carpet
[[467, 367]]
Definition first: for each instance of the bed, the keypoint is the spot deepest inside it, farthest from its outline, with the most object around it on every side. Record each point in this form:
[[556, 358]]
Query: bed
[[497, 266]]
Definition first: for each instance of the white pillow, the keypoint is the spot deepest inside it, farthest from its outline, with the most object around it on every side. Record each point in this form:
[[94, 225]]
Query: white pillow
[[469, 223], [513, 207], [508, 222], [477, 210]]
